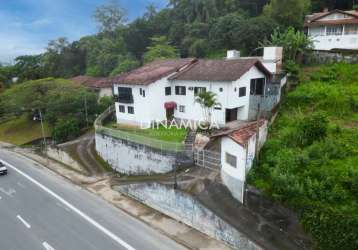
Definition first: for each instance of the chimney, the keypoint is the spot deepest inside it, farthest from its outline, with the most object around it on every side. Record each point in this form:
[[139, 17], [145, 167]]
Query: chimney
[[325, 10], [233, 54]]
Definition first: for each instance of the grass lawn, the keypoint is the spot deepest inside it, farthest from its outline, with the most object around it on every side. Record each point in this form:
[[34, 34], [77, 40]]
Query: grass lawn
[[21, 131], [161, 133]]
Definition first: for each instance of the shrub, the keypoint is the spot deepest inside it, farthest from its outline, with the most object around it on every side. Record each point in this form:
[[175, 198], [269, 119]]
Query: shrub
[[66, 129], [312, 128]]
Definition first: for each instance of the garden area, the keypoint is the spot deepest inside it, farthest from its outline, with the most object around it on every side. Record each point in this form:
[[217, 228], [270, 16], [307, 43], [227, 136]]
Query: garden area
[[161, 133], [310, 161]]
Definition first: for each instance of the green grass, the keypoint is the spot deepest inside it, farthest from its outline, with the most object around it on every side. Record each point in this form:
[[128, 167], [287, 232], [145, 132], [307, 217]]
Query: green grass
[[310, 161], [161, 133], [21, 131]]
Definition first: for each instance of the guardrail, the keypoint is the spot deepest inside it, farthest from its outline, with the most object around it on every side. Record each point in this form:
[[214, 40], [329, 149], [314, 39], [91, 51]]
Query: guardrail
[[129, 136]]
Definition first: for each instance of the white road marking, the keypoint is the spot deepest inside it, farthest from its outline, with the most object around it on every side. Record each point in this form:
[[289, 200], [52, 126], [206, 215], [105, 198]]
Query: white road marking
[[47, 246], [24, 222], [9, 192], [74, 209]]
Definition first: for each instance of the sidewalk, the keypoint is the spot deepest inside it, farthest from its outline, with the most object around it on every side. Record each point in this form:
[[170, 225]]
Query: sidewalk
[[101, 186]]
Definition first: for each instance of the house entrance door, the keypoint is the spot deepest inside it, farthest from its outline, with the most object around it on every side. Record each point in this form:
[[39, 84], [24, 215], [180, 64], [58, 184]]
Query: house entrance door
[[170, 114]]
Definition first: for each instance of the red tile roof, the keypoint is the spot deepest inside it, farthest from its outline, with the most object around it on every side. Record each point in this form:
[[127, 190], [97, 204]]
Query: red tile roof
[[219, 70], [242, 134], [92, 82], [314, 19], [152, 72]]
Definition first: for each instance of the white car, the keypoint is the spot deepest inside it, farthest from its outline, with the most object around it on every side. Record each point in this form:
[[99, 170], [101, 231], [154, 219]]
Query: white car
[[3, 169]]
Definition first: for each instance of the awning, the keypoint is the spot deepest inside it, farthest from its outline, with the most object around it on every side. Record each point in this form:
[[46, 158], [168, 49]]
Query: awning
[[170, 105]]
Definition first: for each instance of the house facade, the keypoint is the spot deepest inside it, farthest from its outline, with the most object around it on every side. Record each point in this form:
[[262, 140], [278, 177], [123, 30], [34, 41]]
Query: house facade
[[163, 90], [331, 30]]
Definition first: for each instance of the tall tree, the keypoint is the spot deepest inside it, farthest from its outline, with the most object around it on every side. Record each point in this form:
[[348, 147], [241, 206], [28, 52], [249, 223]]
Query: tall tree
[[110, 16], [288, 12], [159, 49]]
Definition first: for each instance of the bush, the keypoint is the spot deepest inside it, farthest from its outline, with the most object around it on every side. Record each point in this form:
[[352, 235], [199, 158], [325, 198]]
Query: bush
[[66, 129], [312, 128]]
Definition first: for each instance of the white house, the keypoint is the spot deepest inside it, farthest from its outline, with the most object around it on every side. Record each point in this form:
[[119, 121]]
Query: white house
[[238, 148], [333, 29], [166, 89]]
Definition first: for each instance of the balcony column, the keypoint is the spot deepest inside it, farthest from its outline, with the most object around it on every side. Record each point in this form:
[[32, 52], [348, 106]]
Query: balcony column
[[343, 29]]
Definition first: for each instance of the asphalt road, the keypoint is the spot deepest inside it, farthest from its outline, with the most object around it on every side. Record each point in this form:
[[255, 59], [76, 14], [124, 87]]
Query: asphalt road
[[40, 210]]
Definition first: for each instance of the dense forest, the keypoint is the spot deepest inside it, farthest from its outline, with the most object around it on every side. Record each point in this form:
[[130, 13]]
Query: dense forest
[[195, 28]]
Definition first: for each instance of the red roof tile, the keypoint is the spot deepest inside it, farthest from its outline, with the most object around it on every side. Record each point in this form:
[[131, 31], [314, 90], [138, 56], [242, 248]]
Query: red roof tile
[[92, 82], [152, 72], [314, 19], [242, 134], [219, 70]]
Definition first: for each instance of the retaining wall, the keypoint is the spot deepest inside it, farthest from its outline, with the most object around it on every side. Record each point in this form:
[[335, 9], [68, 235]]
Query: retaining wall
[[135, 159], [183, 207]]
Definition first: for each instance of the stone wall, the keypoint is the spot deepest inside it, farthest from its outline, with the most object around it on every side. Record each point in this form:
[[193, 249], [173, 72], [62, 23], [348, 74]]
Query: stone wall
[[183, 207], [325, 57], [135, 159]]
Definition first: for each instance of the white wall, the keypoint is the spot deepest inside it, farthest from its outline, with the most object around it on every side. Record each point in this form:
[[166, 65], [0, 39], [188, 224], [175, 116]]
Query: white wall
[[105, 92], [322, 41]]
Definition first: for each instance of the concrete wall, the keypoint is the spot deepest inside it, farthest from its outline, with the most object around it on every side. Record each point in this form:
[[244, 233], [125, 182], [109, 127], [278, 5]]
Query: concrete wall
[[105, 92], [135, 159], [63, 157], [184, 208]]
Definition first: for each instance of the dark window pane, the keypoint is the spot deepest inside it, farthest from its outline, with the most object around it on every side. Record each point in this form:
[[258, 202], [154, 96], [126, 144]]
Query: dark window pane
[[121, 109], [125, 95], [130, 110], [198, 90], [252, 86], [231, 160], [242, 91], [168, 91], [180, 90]]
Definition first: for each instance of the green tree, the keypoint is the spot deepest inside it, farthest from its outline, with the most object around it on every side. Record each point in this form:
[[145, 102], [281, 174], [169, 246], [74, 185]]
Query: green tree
[[125, 64], [110, 16], [159, 49], [288, 12], [295, 43], [207, 100]]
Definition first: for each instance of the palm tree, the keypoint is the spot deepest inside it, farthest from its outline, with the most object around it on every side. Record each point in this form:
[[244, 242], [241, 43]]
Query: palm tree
[[207, 101]]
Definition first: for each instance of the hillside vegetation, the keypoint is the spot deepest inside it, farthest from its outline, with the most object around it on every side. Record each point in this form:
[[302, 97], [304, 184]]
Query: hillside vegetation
[[310, 161]]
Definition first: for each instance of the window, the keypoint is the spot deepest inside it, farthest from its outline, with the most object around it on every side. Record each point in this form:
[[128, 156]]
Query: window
[[334, 30], [121, 109], [351, 29], [142, 92], [198, 90], [257, 86], [130, 110], [221, 89], [180, 90], [231, 160], [242, 91], [125, 95], [218, 107], [181, 108], [168, 91]]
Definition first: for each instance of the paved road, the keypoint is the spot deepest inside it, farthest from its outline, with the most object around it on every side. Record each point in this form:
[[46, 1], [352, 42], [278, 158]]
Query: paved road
[[40, 210]]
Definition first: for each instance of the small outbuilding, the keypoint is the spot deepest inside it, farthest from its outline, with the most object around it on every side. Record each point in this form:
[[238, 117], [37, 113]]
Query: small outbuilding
[[238, 148]]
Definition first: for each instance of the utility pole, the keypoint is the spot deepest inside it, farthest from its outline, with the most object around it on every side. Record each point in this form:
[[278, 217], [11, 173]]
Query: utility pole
[[86, 110], [43, 130], [257, 133]]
